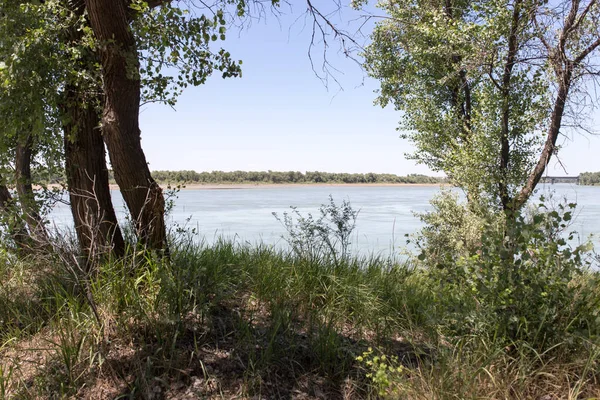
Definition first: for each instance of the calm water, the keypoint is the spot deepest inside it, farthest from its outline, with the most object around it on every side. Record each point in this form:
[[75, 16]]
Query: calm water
[[386, 213]]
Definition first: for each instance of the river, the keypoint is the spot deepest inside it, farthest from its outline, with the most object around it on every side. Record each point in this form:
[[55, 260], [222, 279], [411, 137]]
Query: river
[[386, 214]]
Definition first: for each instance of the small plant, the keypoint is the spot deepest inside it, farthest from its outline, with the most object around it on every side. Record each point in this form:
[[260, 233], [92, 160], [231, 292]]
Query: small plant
[[385, 373], [453, 229], [523, 283], [6, 373], [325, 236]]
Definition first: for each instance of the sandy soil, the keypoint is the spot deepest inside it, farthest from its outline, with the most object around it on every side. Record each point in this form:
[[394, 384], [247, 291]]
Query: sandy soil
[[225, 186], [230, 186]]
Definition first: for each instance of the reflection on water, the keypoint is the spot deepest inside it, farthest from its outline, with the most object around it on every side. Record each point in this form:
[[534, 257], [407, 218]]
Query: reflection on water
[[386, 213]]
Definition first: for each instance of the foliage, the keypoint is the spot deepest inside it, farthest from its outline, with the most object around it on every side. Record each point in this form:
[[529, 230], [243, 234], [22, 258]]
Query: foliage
[[453, 229], [286, 177], [327, 236], [475, 82], [520, 283], [33, 65], [589, 178], [174, 46], [385, 372]]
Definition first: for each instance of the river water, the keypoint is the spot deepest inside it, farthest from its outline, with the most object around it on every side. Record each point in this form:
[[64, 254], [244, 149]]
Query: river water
[[386, 214]]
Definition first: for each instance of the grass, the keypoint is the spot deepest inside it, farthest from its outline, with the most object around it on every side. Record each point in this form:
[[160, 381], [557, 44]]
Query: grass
[[235, 321]]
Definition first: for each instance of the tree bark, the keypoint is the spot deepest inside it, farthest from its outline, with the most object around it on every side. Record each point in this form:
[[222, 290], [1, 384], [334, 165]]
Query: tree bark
[[550, 144], [505, 200], [16, 229], [120, 120], [96, 223], [24, 187]]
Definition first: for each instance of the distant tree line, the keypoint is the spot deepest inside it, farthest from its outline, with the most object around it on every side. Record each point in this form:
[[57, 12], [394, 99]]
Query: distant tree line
[[558, 179], [286, 177], [589, 178]]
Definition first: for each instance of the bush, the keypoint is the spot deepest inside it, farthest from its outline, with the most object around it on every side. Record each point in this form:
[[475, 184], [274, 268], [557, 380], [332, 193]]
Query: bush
[[385, 372], [327, 236], [523, 282], [453, 229]]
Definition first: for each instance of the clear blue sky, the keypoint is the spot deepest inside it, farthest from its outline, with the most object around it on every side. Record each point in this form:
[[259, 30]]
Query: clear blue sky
[[279, 116]]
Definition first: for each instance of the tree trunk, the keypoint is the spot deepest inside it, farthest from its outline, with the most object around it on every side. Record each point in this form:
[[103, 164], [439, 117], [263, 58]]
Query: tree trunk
[[552, 136], [16, 229], [513, 48], [96, 223], [120, 121], [23, 182]]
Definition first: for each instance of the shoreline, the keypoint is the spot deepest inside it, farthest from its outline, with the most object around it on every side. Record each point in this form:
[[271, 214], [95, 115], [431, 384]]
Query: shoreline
[[234, 186]]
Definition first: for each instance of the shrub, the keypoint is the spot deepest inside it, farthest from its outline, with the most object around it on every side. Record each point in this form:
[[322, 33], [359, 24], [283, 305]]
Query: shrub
[[524, 282], [325, 236], [453, 229], [384, 372]]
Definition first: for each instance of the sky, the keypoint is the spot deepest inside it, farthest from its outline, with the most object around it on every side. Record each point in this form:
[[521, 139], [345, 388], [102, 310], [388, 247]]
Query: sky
[[280, 116]]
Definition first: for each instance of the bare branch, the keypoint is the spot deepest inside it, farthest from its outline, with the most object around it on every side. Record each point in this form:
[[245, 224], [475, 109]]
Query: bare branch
[[322, 28], [587, 51], [584, 14]]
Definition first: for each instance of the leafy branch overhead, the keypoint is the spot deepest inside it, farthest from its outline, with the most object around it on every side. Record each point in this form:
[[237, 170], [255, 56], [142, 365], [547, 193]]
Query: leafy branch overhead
[[175, 51], [486, 87]]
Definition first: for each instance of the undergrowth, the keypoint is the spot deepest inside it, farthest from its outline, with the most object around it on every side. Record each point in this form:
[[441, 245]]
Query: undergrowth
[[230, 320]]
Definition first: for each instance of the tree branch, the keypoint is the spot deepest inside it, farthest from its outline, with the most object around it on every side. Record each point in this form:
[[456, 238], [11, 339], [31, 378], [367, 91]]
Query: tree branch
[[587, 51], [505, 92]]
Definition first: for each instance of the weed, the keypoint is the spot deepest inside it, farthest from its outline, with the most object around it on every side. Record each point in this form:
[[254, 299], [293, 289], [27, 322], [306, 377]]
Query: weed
[[326, 236]]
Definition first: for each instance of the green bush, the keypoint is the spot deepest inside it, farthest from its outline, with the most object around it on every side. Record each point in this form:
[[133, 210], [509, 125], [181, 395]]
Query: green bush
[[453, 229], [326, 236], [386, 373], [520, 281]]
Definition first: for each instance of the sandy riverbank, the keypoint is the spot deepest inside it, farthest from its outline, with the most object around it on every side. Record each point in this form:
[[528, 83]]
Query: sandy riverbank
[[230, 186], [226, 186]]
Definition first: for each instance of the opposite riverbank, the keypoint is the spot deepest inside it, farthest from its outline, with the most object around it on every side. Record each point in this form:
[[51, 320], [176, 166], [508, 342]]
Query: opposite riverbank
[[225, 186], [231, 186]]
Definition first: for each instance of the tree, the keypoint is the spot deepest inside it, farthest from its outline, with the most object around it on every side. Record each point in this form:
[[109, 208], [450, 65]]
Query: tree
[[28, 126], [73, 93], [24, 186], [484, 86], [51, 87], [10, 219], [589, 178], [120, 119], [58, 45], [165, 33]]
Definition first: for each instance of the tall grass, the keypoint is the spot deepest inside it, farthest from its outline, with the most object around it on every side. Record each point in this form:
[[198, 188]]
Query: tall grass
[[231, 320]]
